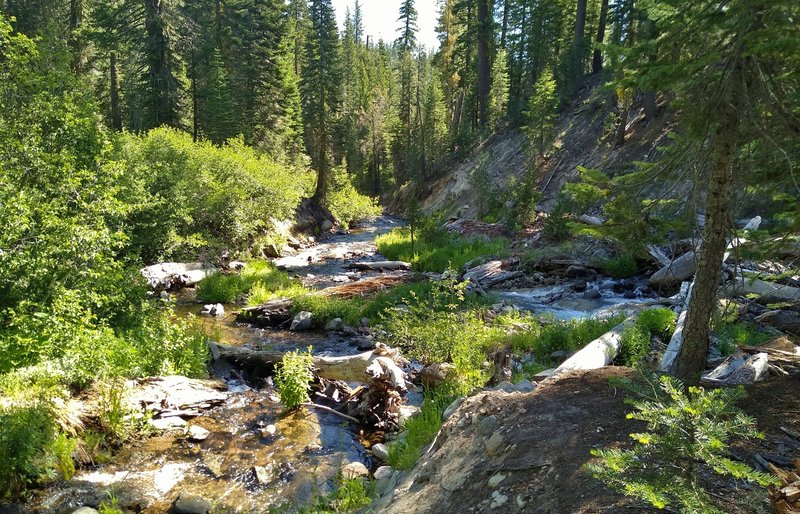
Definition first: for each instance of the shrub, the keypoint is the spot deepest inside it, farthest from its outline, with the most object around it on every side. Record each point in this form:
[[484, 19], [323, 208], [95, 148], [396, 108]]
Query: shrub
[[261, 276], [348, 205], [220, 288], [635, 340], [293, 378], [622, 266], [658, 322], [687, 436], [571, 335]]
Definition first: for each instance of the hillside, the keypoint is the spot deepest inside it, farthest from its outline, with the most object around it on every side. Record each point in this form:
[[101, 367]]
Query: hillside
[[585, 138]]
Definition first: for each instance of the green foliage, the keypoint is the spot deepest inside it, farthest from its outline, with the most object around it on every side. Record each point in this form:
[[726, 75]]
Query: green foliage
[[346, 204], [196, 197], [347, 495], [621, 266], [731, 335], [261, 277], [420, 430], [437, 251], [556, 226], [540, 114], [687, 435], [293, 378], [544, 339], [635, 339]]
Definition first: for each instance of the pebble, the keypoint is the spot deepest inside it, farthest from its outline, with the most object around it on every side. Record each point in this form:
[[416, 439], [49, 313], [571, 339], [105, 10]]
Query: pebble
[[354, 470], [381, 452], [198, 433], [494, 444], [498, 500], [191, 504], [264, 475], [270, 431], [487, 425], [496, 480]]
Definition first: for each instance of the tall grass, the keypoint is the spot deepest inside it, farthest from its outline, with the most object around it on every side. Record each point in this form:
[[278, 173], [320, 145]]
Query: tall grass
[[262, 276], [437, 251]]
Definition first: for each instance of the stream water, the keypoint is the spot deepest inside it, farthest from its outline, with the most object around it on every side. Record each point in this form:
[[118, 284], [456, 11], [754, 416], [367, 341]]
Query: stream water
[[255, 457]]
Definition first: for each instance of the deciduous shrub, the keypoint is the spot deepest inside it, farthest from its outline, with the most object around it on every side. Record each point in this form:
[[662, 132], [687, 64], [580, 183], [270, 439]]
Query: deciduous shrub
[[293, 378]]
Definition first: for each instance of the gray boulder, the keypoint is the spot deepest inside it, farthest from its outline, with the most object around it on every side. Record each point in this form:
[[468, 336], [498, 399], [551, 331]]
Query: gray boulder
[[301, 321]]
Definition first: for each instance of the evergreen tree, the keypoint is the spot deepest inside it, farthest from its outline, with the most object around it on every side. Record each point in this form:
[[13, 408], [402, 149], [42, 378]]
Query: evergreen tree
[[320, 89]]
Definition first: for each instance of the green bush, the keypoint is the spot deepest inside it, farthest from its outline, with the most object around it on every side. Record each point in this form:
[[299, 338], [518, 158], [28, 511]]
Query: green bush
[[622, 266], [635, 340], [191, 197], [348, 205], [293, 378], [261, 277], [687, 437], [658, 322]]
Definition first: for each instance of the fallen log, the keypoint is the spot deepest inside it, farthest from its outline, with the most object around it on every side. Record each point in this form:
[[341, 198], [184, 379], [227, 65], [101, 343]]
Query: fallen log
[[381, 266], [659, 256], [599, 353], [491, 273], [368, 285], [785, 499], [676, 271], [350, 368], [675, 343], [270, 314], [768, 291]]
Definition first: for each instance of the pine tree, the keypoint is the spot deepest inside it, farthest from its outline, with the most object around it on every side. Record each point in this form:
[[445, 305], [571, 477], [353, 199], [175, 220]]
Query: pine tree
[[320, 89]]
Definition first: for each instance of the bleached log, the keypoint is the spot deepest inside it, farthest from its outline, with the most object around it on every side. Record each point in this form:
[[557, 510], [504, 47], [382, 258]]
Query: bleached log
[[659, 256], [599, 353], [674, 346], [590, 220], [676, 271], [381, 266], [491, 273], [350, 368], [766, 290]]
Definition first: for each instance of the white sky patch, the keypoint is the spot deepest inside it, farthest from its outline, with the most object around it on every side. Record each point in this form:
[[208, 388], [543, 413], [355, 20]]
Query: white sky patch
[[380, 19]]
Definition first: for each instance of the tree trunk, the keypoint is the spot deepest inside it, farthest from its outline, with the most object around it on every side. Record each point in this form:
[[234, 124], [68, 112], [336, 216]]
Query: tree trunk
[[580, 21], [484, 69], [597, 57], [692, 357], [75, 21], [622, 123], [504, 26], [195, 121], [116, 117]]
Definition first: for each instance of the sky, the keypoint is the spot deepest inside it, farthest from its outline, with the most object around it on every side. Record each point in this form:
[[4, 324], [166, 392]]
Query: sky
[[380, 19]]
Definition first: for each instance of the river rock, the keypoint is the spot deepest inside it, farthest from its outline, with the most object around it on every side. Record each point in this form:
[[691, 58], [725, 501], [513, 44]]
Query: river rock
[[592, 294], [176, 275], [170, 422], [85, 510], [354, 470], [451, 409], [191, 504], [579, 286], [496, 480], [301, 321], [326, 225], [559, 355], [525, 386], [575, 271], [498, 500], [487, 425], [198, 433], [213, 309], [381, 452], [334, 325], [265, 474], [436, 373], [385, 479]]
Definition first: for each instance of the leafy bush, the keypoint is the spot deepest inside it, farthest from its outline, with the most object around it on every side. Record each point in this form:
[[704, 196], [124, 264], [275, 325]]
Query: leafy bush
[[191, 197], [635, 340], [622, 266], [348, 205], [687, 435], [293, 378]]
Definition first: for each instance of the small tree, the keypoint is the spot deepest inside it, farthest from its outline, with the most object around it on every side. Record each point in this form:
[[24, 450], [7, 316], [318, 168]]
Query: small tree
[[414, 216], [686, 431], [541, 111], [293, 378]]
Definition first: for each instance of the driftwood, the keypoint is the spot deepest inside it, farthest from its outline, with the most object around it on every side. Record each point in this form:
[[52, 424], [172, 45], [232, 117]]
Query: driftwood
[[350, 368], [176, 275], [381, 266], [378, 405], [676, 271], [269, 314], [368, 285], [598, 353], [768, 291], [659, 256], [786, 498], [491, 273], [675, 343], [783, 320]]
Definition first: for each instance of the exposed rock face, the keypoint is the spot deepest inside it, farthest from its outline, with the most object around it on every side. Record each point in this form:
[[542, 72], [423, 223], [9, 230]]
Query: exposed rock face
[[176, 275]]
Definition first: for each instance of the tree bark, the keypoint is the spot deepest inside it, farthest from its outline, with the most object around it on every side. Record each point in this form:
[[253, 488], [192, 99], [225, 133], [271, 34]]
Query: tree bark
[[597, 57], [484, 69], [580, 21], [692, 356], [504, 26]]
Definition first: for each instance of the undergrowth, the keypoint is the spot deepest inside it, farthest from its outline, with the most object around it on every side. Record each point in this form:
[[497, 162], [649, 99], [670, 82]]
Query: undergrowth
[[261, 277], [420, 431]]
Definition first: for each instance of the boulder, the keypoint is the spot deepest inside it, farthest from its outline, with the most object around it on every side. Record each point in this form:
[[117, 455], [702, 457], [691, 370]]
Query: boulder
[[301, 321], [436, 373], [326, 225], [334, 325], [354, 470], [213, 309], [576, 271], [592, 294], [176, 275], [197, 433], [380, 451]]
